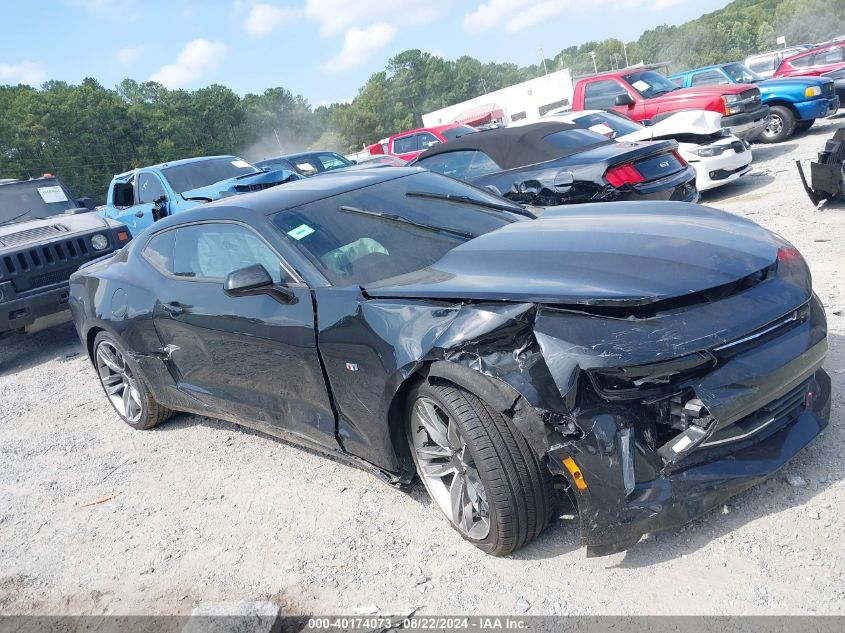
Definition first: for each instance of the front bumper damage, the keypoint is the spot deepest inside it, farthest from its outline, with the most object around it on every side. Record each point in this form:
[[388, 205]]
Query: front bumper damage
[[827, 175], [666, 410]]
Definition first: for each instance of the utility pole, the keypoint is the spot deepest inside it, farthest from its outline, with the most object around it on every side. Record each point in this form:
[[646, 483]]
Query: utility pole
[[595, 68], [543, 55], [625, 49]]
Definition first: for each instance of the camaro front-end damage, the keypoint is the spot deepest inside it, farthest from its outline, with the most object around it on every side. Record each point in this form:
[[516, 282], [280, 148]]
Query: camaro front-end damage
[[653, 413]]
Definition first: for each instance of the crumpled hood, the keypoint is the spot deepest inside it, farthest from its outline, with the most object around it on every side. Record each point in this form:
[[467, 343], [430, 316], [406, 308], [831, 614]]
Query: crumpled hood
[[20, 234], [597, 254], [686, 122], [241, 184]]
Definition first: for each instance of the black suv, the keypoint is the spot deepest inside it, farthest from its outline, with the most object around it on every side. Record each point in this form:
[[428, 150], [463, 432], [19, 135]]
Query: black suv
[[45, 235]]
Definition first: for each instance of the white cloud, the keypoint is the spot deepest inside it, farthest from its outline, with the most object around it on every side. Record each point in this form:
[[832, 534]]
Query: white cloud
[[196, 59], [263, 19], [26, 72], [359, 46], [129, 55], [337, 16], [517, 15]]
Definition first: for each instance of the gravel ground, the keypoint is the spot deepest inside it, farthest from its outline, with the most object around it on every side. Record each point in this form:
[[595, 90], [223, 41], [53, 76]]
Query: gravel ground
[[203, 510]]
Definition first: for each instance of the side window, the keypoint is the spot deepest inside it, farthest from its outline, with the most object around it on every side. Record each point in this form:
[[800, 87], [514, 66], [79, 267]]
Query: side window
[[828, 57], [763, 64], [709, 78], [405, 144], [212, 251], [802, 62], [600, 95], [426, 140], [150, 188], [461, 165], [159, 251]]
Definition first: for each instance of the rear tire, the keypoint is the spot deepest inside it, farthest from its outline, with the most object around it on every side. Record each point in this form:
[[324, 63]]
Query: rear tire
[[803, 126], [780, 127], [465, 450], [124, 385]]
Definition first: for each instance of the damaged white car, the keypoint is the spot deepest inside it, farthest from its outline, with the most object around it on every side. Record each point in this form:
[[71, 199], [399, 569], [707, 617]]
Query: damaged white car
[[717, 156]]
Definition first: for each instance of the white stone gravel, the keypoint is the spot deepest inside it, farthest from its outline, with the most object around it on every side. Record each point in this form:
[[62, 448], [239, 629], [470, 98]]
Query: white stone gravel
[[206, 511]]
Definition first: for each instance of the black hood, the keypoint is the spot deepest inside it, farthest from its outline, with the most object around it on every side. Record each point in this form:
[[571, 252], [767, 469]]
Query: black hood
[[597, 254]]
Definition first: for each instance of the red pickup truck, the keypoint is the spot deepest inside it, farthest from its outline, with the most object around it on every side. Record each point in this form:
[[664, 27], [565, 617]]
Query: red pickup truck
[[646, 96], [408, 145]]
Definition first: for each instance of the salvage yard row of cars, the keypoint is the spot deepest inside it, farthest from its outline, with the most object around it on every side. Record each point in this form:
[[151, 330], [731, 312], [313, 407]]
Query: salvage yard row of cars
[[480, 318]]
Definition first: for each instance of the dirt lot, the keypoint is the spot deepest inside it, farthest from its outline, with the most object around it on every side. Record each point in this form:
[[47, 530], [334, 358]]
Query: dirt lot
[[205, 510]]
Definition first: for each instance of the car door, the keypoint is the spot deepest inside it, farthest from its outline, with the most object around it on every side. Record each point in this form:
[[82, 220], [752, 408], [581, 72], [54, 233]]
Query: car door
[[148, 189], [253, 357]]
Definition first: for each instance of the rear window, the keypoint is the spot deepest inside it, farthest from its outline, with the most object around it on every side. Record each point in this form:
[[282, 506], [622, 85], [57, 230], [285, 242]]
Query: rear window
[[358, 248], [607, 124], [570, 141]]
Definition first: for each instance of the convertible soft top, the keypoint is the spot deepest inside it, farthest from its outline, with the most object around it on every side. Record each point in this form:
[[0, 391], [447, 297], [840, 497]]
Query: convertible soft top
[[515, 146]]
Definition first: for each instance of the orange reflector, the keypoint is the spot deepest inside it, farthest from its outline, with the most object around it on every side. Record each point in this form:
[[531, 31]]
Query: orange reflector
[[577, 475], [123, 236]]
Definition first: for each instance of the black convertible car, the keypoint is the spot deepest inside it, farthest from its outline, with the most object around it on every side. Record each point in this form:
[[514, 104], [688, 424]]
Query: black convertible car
[[644, 360], [559, 163]]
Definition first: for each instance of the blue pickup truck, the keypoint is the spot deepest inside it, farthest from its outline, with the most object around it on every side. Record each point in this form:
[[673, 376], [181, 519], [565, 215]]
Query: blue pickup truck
[[141, 196], [794, 103]]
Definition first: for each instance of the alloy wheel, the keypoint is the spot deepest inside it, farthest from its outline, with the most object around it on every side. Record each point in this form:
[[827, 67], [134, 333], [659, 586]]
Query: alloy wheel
[[118, 382], [774, 127], [448, 470]]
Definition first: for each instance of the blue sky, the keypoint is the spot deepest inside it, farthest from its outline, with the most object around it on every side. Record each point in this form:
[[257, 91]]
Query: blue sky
[[322, 49]]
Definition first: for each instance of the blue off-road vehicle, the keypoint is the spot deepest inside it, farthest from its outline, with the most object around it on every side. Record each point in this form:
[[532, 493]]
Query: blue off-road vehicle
[[141, 196]]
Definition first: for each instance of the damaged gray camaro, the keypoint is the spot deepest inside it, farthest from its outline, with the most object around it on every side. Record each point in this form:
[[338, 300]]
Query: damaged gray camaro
[[642, 361]]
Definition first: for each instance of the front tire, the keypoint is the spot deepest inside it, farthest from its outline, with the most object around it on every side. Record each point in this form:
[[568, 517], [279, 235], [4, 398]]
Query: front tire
[[781, 125], [477, 468], [124, 386], [803, 126]]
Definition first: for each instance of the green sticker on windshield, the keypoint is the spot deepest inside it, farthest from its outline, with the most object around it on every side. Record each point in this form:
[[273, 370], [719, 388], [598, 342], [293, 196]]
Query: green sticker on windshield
[[303, 230]]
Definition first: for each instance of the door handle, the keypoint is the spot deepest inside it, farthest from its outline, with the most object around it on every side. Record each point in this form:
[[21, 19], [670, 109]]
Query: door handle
[[173, 308]]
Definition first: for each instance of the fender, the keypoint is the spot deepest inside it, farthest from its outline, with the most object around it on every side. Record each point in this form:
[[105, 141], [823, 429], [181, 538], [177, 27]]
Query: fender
[[503, 398]]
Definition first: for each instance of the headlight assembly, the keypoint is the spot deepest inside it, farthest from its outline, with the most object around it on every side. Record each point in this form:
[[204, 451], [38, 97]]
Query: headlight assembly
[[100, 242], [709, 151], [812, 91]]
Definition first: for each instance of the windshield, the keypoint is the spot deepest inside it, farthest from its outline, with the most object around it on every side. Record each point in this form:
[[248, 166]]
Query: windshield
[[742, 74], [378, 232], [649, 83], [206, 172], [29, 199], [607, 124]]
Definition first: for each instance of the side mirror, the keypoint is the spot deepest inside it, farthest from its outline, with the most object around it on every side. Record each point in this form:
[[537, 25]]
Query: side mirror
[[85, 203], [160, 208], [255, 280], [563, 181], [624, 100]]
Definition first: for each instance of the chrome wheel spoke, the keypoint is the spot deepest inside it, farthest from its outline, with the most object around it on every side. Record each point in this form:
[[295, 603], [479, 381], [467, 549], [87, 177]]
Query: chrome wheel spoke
[[446, 467], [118, 382], [432, 423]]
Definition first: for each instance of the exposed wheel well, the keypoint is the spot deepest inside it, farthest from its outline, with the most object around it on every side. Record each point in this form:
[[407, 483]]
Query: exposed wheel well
[[787, 105], [89, 341]]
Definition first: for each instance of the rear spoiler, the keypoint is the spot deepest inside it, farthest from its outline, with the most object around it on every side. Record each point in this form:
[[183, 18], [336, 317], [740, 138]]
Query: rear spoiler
[[827, 175]]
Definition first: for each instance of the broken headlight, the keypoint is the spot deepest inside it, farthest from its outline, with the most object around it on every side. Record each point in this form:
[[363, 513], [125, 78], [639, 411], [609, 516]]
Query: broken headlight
[[649, 381]]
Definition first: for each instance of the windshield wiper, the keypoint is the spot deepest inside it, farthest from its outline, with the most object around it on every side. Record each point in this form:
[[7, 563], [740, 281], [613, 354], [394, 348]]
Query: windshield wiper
[[471, 201], [398, 218], [18, 217]]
